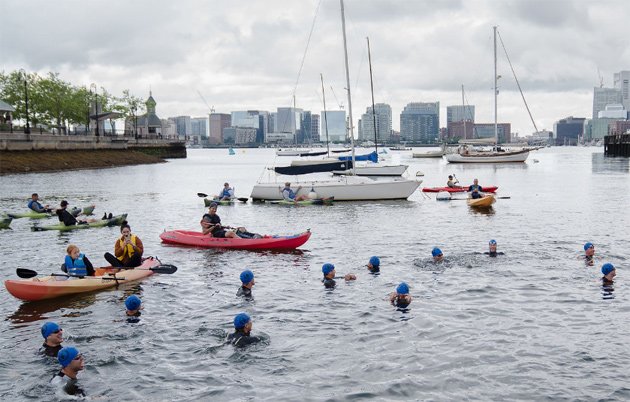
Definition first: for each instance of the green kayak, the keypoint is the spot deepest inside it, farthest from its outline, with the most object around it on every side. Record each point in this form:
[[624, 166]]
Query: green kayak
[[317, 201], [40, 215], [114, 221], [5, 221], [207, 202]]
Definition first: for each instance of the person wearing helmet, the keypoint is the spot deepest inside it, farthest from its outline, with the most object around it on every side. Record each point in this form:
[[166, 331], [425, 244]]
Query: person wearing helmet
[[71, 363], [437, 254], [242, 331], [247, 282], [492, 249], [401, 297], [374, 265], [589, 253], [329, 272], [53, 337]]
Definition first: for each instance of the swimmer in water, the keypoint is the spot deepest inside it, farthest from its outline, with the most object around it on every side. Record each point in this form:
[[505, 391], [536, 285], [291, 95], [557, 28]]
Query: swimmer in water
[[329, 272], [401, 297]]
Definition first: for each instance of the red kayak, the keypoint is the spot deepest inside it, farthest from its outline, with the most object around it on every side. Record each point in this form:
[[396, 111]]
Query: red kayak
[[489, 189], [267, 242]]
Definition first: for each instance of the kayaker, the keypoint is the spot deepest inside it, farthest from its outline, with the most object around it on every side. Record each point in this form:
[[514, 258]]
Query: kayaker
[[133, 305], [329, 272], [211, 224], [53, 337], [609, 272], [401, 297], [67, 218], [247, 282], [76, 263], [242, 331], [71, 363], [492, 249], [36, 206], [290, 195], [452, 182], [374, 264], [589, 253], [226, 194], [437, 254], [475, 189], [128, 249]]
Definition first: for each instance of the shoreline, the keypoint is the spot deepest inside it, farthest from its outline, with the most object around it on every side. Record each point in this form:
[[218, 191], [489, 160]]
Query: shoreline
[[22, 162]]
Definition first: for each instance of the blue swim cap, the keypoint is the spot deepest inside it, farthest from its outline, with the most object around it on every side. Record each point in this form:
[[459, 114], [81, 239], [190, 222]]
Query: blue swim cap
[[247, 276], [327, 268], [402, 289], [375, 261], [492, 242], [436, 251], [48, 328], [66, 355], [133, 302], [587, 246], [240, 320], [607, 268]]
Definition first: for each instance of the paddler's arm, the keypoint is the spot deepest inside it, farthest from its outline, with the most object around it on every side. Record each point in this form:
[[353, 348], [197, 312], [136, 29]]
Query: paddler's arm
[[139, 247], [118, 250]]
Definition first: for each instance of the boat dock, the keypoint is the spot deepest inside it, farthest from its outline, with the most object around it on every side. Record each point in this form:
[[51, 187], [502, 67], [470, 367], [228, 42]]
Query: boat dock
[[617, 145]]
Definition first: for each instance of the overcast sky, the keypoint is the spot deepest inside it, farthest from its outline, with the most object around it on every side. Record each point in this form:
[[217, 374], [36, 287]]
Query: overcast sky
[[246, 54]]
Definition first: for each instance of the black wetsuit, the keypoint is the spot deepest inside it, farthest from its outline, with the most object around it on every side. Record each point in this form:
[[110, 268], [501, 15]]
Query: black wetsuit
[[329, 283], [243, 291], [493, 254], [50, 350], [398, 302], [240, 338], [588, 259], [66, 217], [218, 230], [68, 384], [374, 270]]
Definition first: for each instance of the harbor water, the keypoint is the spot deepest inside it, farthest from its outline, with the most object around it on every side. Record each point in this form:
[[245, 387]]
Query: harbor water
[[532, 324]]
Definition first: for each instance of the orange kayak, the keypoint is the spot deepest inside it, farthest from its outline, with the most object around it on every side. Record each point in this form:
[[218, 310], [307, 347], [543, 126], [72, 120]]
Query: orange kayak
[[485, 201], [48, 287]]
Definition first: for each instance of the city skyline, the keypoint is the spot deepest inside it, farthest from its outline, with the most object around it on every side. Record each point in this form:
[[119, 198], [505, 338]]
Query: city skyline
[[250, 61]]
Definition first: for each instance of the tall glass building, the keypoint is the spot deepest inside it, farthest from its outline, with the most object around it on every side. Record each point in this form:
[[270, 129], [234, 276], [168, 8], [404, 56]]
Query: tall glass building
[[335, 122], [420, 122]]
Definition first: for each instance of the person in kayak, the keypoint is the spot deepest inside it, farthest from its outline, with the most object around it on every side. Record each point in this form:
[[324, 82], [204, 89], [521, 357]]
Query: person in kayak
[[76, 263], [71, 363], [452, 182], [67, 218], [242, 331], [211, 224], [329, 272], [437, 254], [53, 337], [34, 204], [128, 249], [401, 297], [589, 253], [374, 264], [226, 194], [609, 272], [247, 282], [475, 189], [290, 195], [492, 249]]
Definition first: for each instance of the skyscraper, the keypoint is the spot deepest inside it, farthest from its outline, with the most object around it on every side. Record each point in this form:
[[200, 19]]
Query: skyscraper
[[383, 117], [218, 121], [335, 122], [603, 97], [199, 126], [622, 83], [256, 119], [183, 125], [420, 122]]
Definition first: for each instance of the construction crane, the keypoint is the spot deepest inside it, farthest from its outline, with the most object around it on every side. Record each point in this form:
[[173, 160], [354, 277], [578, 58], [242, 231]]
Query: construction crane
[[339, 103], [204, 101], [601, 79]]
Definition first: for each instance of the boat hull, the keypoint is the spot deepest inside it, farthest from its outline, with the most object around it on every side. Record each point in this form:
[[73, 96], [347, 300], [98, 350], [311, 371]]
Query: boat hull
[[483, 157], [114, 221], [5, 222], [430, 154], [198, 239], [49, 287], [343, 188], [395, 170], [483, 202]]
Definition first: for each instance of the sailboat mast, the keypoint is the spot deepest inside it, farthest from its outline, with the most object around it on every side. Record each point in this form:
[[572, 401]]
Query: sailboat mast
[[464, 110], [496, 89], [345, 52], [325, 116], [372, 90]]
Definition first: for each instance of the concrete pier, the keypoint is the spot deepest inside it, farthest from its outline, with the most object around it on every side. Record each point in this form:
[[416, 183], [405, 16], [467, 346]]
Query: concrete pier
[[617, 145]]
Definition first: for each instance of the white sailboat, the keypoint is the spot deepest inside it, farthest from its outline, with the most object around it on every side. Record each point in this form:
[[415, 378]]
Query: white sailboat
[[342, 188], [496, 155]]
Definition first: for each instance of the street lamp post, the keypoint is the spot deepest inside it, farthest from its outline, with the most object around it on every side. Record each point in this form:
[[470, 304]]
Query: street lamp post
[[27, 129], [95, 107], [135, 125]]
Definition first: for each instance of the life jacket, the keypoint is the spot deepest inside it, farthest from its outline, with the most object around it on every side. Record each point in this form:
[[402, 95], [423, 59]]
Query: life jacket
[[227, 192], [127, 250], [38, 205], [288, 194], [76, 267]]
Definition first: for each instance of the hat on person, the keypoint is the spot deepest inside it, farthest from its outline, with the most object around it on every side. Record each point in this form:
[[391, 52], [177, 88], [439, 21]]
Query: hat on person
[[133, 302], [436, 251], [607, 268], [66, 355], [375, 261], [64, 203], [492, 242], [49, 328], [213, 205], [588, 245], [327, 268], [240, 320], [450, 177], [247, 276], [402, 289]]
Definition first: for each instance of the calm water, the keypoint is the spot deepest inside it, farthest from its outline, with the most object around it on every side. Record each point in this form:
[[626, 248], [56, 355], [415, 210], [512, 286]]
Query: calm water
[[533, 324]]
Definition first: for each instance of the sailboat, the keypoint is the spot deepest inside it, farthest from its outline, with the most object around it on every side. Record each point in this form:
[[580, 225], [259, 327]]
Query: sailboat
[[343, 188], [465, 155]]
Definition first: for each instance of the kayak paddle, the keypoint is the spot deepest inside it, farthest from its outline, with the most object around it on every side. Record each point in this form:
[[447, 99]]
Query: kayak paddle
[[204, 195], [29, 273]]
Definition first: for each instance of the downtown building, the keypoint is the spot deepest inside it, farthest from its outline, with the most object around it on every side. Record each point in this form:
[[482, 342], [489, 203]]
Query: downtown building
[[287, 124], [383, 117], [183, 125], [217, 123], [460, 121], [333, 124], [255, 119], [420, 123], [570, 130]]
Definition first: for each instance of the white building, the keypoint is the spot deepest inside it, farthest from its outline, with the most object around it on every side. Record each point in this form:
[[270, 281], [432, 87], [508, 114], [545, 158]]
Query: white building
[[622, 83], [603, 97]]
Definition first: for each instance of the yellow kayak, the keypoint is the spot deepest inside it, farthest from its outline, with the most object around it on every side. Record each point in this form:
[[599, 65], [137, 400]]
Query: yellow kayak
[[485, 201]]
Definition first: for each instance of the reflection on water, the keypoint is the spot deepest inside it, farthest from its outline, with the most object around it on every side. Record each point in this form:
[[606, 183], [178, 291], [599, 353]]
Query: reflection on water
[[482, 210], [601, 163], [36, 311]]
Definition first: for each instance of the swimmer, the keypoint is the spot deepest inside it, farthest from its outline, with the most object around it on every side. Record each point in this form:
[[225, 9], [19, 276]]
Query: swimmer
[[401, 297]]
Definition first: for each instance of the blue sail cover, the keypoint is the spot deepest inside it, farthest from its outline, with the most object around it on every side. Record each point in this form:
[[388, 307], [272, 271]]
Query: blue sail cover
[[372, 157]]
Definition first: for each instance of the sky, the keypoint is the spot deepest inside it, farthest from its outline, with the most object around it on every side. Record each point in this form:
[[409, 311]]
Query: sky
[[256, 54]]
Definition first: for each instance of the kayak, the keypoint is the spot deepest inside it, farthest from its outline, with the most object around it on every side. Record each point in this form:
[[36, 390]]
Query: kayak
[[316, 201], [207, 202], [114, 221], [39, 215], [267, 242], [5, 221], [483, 202], [489, 189], [48, 287]]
